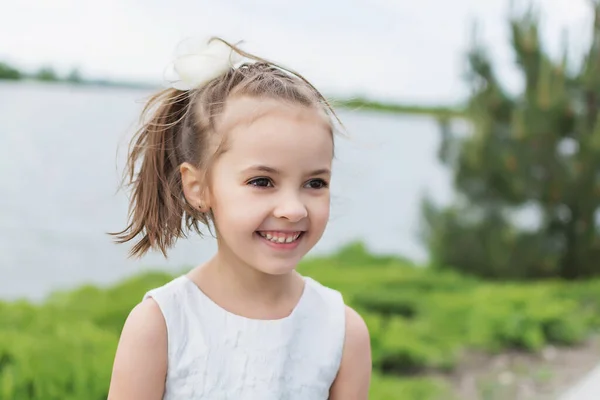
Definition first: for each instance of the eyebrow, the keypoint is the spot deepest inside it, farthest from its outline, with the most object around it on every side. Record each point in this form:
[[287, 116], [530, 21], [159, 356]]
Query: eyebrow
[[274, 171]]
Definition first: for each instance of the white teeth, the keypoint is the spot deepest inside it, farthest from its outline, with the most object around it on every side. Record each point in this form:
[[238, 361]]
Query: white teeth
[[280, 239]]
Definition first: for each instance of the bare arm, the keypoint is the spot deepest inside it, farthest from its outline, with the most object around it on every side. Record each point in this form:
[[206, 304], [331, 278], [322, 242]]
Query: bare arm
[[354, 376], [140, 365]]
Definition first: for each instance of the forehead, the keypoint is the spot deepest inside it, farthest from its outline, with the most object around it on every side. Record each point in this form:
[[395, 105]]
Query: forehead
[[269, 131], [245, 110]]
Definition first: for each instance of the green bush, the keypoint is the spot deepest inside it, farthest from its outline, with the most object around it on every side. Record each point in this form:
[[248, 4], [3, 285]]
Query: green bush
[[409, 347], [388, 302], [524, 317], [413, 388], [108, 308], [63, 361]]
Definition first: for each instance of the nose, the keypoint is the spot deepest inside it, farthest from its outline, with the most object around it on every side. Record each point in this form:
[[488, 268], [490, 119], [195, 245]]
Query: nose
[[291, 207]]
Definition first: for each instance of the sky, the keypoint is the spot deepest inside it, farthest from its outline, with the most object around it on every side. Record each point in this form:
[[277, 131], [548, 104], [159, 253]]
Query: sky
[[392, 50]]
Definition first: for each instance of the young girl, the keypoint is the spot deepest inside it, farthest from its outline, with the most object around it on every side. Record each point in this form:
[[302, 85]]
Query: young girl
[[245, 148]]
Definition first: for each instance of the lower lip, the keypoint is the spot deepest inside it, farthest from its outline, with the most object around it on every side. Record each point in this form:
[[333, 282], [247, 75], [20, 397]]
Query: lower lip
[[282, 246]]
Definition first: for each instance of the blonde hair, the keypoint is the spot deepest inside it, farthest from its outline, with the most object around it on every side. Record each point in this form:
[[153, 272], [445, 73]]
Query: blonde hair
[[177, 128]]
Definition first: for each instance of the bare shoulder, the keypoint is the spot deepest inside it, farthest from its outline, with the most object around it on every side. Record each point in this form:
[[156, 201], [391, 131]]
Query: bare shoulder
[[140, 364], [354, 376], [356, 328]]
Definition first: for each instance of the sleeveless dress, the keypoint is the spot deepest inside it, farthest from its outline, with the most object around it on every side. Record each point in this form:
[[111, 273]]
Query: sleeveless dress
[[217, 355]]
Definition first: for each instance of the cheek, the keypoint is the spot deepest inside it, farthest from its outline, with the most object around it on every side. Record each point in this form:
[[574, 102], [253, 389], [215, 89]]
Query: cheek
[[235, 208], [224, 201], [320, 209]]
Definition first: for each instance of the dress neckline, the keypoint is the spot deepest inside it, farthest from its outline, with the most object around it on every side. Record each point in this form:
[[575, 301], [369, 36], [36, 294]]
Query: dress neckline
[[299, 304]]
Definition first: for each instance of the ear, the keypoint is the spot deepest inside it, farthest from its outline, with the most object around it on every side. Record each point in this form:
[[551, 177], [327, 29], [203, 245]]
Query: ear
[[194, 189]]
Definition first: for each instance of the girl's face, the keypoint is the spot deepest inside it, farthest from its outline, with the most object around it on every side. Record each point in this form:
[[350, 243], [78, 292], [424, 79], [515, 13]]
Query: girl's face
[[269, 190]]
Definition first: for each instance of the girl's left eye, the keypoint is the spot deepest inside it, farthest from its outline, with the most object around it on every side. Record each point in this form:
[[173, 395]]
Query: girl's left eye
[[260, 182], [316, 184]]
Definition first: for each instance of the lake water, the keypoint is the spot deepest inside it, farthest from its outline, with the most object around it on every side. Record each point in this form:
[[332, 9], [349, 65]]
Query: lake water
[[60, 169]]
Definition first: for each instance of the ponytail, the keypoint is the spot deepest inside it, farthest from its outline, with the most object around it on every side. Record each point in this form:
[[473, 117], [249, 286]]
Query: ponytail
[[157, 206]]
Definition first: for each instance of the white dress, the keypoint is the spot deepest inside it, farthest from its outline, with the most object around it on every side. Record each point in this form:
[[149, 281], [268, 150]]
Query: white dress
[[217, 355]]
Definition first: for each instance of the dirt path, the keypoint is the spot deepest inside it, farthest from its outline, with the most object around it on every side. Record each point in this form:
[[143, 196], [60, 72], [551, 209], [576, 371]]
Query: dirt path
[[520, 376]]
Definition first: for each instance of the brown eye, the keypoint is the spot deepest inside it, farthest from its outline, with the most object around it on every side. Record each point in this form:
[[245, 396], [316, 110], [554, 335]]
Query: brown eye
[[316, 184], [260, 182]]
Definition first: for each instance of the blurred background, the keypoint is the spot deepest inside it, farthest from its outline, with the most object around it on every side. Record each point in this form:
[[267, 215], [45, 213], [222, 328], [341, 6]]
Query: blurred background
[[465, 225]]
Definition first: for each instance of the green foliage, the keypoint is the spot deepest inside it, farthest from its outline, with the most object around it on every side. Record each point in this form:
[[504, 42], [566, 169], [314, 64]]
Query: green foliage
[[74, 76], [538, 150], [8, 72], [46, 74], [47, 354], [364, 104], [412, 388], [107, 308], [420, 320], [409, 347], [516, 316]]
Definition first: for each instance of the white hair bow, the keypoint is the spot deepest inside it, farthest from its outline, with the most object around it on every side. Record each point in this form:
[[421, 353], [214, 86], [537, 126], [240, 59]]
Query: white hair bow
[[198, 61]]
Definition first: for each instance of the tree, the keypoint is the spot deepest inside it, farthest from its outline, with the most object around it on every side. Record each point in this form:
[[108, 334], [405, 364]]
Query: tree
[[74, 76], [8, 72], [46, 74], [538, 150]]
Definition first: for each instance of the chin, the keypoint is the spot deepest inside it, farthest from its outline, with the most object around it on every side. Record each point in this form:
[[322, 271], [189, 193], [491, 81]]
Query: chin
[[277, 268]]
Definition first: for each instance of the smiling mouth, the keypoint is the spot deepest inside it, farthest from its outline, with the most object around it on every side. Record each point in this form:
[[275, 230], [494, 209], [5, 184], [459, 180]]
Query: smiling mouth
[[281, 237]]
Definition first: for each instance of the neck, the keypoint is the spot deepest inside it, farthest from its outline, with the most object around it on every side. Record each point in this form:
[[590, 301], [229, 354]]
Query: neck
[[245, 282]]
